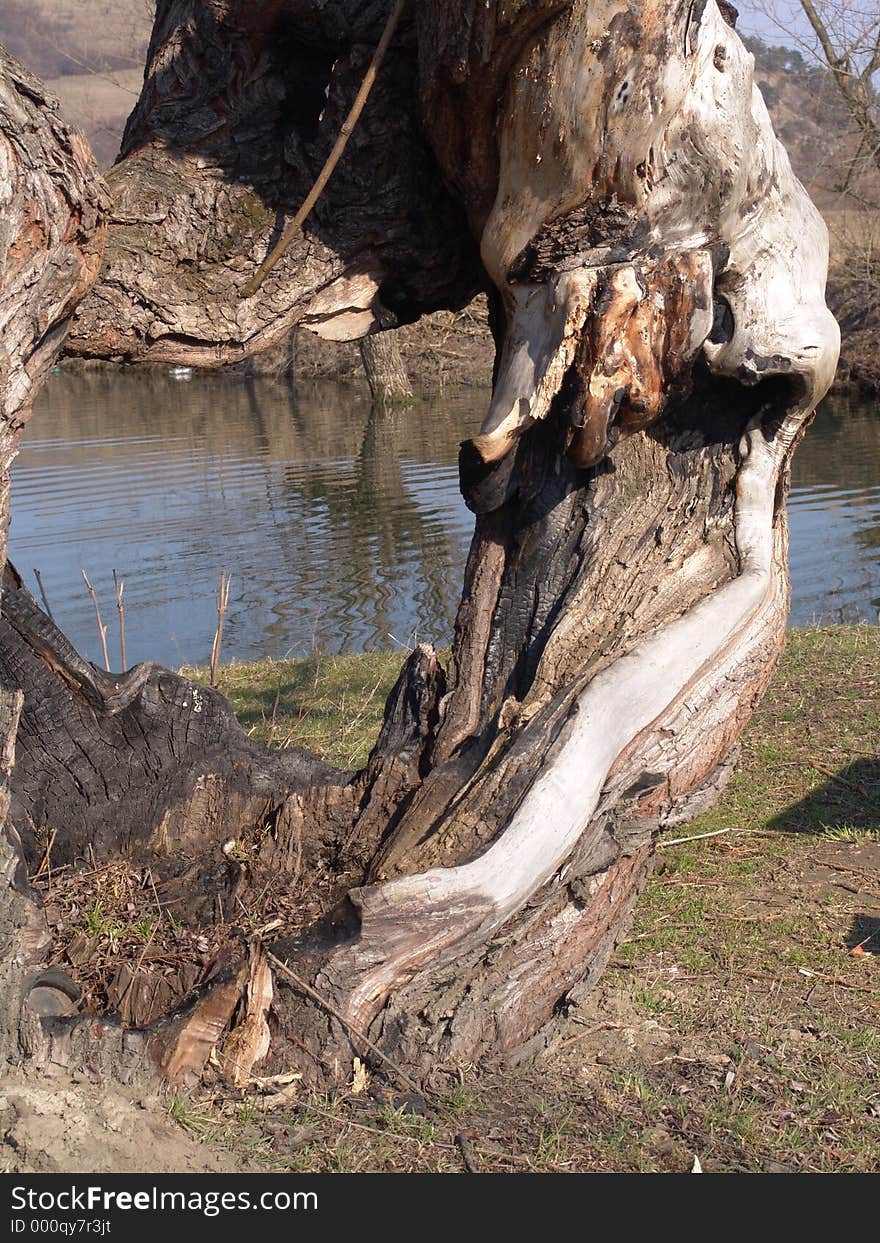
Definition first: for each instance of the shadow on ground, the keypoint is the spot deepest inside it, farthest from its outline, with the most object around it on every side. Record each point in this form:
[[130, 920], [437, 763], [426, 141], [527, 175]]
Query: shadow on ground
[[849, 799], [865, 934]]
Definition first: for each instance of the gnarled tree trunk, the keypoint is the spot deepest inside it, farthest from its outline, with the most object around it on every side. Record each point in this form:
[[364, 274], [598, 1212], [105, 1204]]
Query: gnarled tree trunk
[[242, 103], [658, 278]]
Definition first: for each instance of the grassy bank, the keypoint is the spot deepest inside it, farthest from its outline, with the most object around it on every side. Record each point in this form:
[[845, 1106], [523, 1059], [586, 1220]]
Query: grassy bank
[[737, 1024], [331, 704]]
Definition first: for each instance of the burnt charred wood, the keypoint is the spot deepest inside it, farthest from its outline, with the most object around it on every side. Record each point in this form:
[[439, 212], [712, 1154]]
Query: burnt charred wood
[[141, 761], [152, 767]]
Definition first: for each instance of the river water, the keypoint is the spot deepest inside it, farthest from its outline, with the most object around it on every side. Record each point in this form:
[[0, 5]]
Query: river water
[[342, 527]]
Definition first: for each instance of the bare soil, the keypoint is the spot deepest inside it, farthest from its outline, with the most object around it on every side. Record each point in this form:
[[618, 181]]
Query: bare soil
[[63, 1126]]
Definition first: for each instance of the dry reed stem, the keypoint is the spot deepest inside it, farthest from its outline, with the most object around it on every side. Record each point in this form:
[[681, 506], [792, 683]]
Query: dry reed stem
[[222, 606], [119, 584], [102, 629]]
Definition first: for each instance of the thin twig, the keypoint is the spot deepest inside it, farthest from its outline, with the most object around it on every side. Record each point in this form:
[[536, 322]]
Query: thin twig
[[839, 867], [102, 629], [835, 980], [590, 1031], [839, 779], [119, 584], [62, 867], [332, 160], [677, 841], [309, 1108], [163, 910], [222, 605], [95, 73], [331, 1009], [38, 576], [47, 856]]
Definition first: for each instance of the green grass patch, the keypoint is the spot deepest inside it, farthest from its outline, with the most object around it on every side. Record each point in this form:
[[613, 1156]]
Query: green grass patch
[[332, 705]]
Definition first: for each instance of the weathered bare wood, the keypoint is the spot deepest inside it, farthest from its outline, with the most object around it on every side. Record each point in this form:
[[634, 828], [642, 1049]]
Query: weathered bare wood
[[23, 935]]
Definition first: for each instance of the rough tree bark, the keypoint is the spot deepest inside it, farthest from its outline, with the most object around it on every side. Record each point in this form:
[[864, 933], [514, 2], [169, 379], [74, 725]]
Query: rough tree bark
[[658, 278], [384, 368], [52, 227], [241, 105]]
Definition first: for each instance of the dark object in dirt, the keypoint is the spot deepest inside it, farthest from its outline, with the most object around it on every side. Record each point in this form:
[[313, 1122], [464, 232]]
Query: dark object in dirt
[[51, 993]]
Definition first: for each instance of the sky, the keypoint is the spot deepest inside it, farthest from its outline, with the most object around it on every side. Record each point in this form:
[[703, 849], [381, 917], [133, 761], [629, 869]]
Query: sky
[[850, 24], [790, 27]]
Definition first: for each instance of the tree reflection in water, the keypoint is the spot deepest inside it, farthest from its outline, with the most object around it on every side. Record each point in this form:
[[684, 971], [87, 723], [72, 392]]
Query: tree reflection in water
[[341, 525]]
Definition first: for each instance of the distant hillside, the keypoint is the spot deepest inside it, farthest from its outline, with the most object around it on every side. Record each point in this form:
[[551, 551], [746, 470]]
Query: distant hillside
[[90, 53], [99, 106], [812, 121], [58, 37]]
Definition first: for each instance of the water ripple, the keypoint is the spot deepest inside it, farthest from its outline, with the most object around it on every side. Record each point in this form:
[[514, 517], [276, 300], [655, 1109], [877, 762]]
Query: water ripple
[[341, 527]]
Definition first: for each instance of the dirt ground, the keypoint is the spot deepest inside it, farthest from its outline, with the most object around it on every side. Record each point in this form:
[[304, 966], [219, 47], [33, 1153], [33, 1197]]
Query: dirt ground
[[64, 1126]]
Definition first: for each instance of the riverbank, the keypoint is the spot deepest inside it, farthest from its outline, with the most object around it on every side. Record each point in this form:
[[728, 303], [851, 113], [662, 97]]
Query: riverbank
[[738, 1022]]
